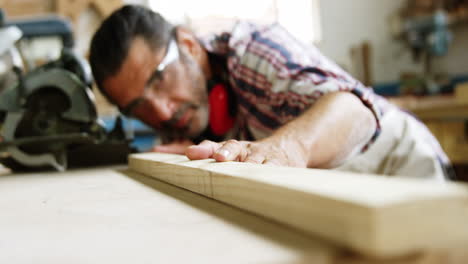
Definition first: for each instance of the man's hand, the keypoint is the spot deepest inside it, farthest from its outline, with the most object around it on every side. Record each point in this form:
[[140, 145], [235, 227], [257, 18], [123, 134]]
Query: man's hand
[[324, 136], [267, 151], [175, 147]]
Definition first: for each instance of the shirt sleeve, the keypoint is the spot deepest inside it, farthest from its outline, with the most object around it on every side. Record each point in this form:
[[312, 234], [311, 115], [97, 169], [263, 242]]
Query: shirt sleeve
[[278, 78]]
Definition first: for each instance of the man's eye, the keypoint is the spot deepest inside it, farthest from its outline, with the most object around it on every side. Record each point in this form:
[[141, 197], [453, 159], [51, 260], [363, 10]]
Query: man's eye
[[160, 78], [159, 75]]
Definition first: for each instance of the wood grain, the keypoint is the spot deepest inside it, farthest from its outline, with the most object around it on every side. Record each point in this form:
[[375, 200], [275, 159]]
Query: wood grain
[[106, 215], [375, 216], [118, 216]]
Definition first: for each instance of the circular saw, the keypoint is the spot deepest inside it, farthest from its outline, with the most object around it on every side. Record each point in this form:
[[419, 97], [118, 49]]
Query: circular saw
[[49, 119]]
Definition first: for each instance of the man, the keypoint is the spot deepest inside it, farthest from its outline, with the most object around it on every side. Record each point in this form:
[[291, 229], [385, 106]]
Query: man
[[274, 100]]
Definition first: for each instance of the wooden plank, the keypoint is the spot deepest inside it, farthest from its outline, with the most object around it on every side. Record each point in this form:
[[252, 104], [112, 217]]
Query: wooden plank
[[106, 215], [376, 216]]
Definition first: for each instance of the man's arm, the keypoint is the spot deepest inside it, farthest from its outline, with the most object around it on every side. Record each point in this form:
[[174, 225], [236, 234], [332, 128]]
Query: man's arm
[[337, 126]]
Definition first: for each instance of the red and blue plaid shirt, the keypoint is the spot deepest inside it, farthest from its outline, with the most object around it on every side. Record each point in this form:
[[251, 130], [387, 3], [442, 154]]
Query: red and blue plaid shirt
[[276, 78]]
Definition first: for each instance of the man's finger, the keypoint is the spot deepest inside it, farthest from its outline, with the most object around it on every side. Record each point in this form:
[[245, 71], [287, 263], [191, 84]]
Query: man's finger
[[258, 158], [204, 150], [232, 150], [171, 148], [273, 161]]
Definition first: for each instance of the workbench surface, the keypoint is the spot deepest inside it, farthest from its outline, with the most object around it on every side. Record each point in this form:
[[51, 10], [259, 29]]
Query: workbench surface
[[114, 215]]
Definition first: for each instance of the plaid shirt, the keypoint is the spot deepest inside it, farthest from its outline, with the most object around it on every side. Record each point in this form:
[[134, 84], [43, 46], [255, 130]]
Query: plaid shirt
[[276, 78]]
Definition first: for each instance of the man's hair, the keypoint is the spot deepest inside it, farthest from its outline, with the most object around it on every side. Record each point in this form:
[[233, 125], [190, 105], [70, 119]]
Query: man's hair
[[111, 42]]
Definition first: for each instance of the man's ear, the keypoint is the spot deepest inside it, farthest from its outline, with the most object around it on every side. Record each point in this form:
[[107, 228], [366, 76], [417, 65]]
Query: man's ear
[[188, 41]]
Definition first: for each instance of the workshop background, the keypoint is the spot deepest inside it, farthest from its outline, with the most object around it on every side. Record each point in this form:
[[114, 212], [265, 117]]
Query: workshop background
[[412, 51]]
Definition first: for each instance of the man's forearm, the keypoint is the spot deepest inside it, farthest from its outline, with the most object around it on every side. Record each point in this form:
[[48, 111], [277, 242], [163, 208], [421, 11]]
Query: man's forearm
[[328, 133], [337, 126]]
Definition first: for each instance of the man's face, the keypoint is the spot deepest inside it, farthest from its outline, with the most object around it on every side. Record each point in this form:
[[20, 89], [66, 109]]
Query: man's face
[[172, 99]]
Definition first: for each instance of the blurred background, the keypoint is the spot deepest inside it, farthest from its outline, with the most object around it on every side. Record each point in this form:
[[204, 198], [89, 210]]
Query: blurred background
[[413, 52]]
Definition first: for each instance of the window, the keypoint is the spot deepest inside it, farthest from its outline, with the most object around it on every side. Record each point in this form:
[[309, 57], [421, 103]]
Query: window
[[302, 18]]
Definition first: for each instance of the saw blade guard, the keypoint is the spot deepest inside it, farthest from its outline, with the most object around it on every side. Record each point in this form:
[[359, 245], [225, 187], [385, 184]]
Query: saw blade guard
[[46, 112]]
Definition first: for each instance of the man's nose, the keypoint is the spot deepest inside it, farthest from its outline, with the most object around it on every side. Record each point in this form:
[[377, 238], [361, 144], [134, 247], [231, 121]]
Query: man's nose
[[164, 108]]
